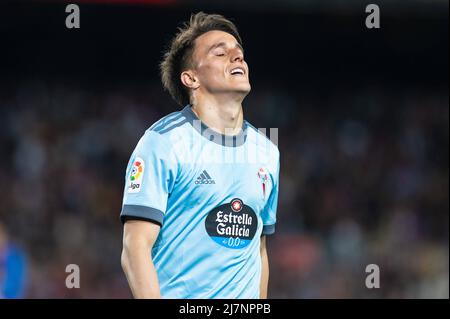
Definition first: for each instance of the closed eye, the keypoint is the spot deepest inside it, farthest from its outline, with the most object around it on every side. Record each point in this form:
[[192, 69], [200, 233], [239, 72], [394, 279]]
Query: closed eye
[[219, 49]]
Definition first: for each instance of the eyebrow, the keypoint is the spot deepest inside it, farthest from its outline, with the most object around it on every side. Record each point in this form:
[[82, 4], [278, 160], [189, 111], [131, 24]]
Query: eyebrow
[[223, 44]]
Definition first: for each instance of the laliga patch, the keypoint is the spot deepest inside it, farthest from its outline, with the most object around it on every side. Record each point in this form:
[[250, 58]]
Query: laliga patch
[[232, 225], [136, 174]]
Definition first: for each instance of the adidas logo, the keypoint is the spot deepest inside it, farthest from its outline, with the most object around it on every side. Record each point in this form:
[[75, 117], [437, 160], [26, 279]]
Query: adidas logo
[[204, 178]]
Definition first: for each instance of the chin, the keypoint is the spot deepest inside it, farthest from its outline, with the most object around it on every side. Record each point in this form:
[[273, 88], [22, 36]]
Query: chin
[[243, 88]]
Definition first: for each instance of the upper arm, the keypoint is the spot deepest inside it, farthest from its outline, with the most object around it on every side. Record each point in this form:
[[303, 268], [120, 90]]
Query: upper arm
[[269, 212], [138, 232], [150, 177]]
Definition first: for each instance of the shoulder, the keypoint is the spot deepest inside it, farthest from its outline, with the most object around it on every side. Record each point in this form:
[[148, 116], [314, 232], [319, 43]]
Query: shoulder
[[161, 136], [168, 123]]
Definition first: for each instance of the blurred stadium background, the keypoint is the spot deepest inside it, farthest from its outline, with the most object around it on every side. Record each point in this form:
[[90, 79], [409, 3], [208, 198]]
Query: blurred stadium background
[[363, 133]]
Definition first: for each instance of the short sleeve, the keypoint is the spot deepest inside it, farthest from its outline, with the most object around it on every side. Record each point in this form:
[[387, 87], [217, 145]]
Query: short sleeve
[[269, 213], [149, 179]]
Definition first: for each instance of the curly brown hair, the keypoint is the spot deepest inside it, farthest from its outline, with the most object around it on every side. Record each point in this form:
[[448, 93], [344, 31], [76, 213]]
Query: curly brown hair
[[178, 57]]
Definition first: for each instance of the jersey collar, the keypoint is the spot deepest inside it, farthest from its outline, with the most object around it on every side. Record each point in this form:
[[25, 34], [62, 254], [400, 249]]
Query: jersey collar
[[213, 136]]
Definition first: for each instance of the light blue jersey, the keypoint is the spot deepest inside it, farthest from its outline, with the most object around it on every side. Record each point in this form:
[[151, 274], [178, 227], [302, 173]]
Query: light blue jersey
[[214, 196]]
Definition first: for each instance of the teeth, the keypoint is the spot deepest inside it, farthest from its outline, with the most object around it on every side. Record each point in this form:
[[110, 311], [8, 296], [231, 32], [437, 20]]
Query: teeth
[[237, 71]]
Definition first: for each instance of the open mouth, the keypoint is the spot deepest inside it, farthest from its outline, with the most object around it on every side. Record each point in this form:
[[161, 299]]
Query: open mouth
[[237, 71]]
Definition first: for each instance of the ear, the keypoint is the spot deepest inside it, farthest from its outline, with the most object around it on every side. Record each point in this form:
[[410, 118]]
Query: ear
[[189, 79]]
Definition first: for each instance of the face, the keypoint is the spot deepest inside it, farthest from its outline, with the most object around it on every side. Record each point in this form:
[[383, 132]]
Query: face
[[219, 64]]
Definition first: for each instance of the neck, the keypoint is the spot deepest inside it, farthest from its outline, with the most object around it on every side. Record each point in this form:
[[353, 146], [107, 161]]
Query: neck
[[220, 113]]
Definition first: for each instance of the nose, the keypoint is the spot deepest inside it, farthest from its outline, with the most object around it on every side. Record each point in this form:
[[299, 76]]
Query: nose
[[237, 56]]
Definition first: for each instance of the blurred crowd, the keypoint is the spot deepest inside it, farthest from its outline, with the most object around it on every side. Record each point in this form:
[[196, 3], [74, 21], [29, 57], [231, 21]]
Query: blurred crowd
[[364, 180]]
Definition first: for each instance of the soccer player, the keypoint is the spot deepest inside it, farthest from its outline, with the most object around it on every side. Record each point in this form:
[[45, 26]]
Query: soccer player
[[202, 184]]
